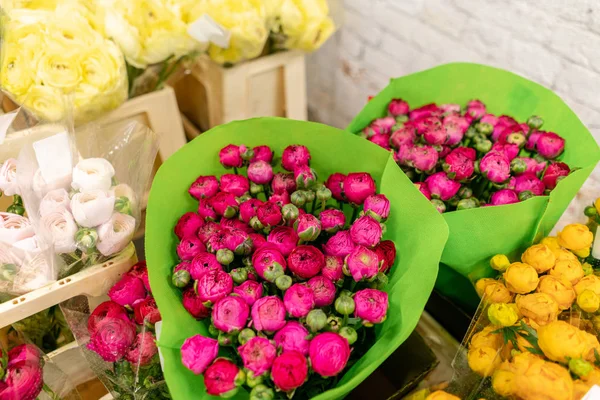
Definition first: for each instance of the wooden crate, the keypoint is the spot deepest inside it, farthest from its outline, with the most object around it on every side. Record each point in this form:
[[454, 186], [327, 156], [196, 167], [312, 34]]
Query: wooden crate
[[273, 85]]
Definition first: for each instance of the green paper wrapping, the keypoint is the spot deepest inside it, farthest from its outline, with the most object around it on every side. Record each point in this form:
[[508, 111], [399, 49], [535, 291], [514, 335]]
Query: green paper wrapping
[[478, 234], [418, 231]]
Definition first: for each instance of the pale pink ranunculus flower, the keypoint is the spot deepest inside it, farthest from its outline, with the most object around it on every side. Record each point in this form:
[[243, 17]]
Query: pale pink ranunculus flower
[[55, 199], [93, 207], [93, 173], [115, 234], [14, 227], [8, 178]]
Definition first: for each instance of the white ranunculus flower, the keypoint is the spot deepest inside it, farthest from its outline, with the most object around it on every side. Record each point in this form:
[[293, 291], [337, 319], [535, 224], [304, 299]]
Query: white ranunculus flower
[[93, 173], [8, 178], [41, 187], [14, 228], [115, 234], [30, 244], [61, 227], [54, 199], [91, 208]]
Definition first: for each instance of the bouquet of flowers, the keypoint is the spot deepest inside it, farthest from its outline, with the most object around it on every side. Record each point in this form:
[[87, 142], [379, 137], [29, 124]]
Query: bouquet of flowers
[[438, 145], [118, 337], [280, 275]]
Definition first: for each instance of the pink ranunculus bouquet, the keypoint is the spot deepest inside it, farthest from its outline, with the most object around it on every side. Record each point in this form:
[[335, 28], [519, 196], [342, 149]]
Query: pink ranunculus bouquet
[[289, 284]]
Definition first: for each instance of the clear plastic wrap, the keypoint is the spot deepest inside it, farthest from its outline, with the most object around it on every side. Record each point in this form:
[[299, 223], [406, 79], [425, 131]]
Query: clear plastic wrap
[[84, 192]]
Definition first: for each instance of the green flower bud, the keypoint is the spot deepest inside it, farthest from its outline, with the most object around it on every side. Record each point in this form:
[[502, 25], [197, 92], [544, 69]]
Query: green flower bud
[[86, 238], [283, 282], [16, 209], [123, 205], [262, 392], [316, 320], [247, 154], [273, 272], [349, 333], [484, 146], [240, 378], [379, 282], [454, 201], [323, 193], [239, 275], [181, 278], [8, 272], [245, 335], [230, 212], [225, 256], [518, 166], [470, 133], [253, 381], [439, 205], [526, 194], [224, 339], [256, 224], [18, 200], [247, 261], [402, 118], [587, 269], [245, 197], [344, 305], [517, 138], [465, 192], [484, 128], [298, 198], [334, 324], [466, 204], [213, 331], [310, 196], [580, 367], [535, 122], [256, 189], [290, 212]]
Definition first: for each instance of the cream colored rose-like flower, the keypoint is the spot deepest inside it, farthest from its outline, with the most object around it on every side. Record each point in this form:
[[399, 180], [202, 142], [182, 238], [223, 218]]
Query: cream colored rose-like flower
[[8, 178], [115, 234], [61, 227], [53, 200], [30, 244], [14, 228], [91, 208], [305, 24], [41, 187], [93, 173]]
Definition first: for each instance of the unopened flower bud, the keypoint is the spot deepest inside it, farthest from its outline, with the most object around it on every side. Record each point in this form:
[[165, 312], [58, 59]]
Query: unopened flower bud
[[323, 193], [225, 256], [256, 224], [525, 194], [470, 133], [439, 205], [256, 189], [466, 204], [123, 205], [316, 320], [453, 202], [290, 212], [588, 301], [310, 196], [517, 138], [224, 339], [181, 278], [273, 271], [245, 197], [262, 392], [298, 198], [245, 335], [213, 331], [580, 367], [379, 282], [484, 128], [484, 146], [334, 323], [349, 334], [587, 269], [253, 381], [590, 211], [86, 238], [283, 282], [239, 275], [501, 314], [535, 122], [246, 153], [518, 166], [230, 212], [16, 209], [344, 305], [465, 192], [8, 272], [402, 118], [500, 262]]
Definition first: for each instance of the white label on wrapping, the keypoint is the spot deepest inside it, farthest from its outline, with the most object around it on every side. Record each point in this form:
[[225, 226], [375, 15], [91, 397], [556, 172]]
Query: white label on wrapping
[[593, 394], [205, 29], [54, 156], [5, 121], [157, 329]]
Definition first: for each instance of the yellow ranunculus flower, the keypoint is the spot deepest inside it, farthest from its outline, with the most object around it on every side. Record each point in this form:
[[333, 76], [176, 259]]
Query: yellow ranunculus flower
[[580, 389], [560, 340], [559, 288], [46, 102], [540, 257], [521, 278], [485, 338], [540, 307], [503, 382], [441, 395], [483, 360], [588, 301], [565, 255], [500, 262], [583, 253], [493, 291], [502, 314], [305, 24], [570, 270], [552, 243], [589, 282], [575, 237]]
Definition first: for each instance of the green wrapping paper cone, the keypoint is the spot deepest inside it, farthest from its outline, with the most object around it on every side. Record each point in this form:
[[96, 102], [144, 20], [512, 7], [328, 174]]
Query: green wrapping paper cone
[[418, 231], [478, 234]]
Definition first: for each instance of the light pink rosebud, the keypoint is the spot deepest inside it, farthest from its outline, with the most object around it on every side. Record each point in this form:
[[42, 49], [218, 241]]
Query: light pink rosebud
[[146, 311], [458, 165], [268, 314], [529, 182], [371, 306], [262, 153], [423, 188], [230, 314], [423, 158], [323, 290], [292, 337], [289, 371], [222, 378], [143, 349], [381, 140], [308, 227], [358, 186], [258, 240], [386, 253], [250, 291], [366, 231], [335, 183], [504, 196], [127, 291], [213, 286], [305, 261], [549, 145], [476, 109], [265, 257], [383, 125], [106, 310], [553, 173], [427, 110], [333, 268], [194, 305], [299, 299], [362, 263], [404, 135], [329, 354], [206, 211], [188, 225], [332, 220], [294, 156], [340, 244], [230, 157], [198, 352], [112, 338], [260, 172], [269, 214], [495, 167], [442, 187], [284, 238], [237, 185], [509, 150], [455, 127], [225, 204], [377, 206], [189, 247], [204, 187], [398, 107], [248, 209], [283, 183], [258, 355], [203, 263]]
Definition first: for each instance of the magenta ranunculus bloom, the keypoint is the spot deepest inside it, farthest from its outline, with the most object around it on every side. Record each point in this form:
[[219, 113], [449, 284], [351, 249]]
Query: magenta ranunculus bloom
[[194, 305], [404, 135], [362, 263], [204, 187], [529, 182], [305, 261], [332, 220], [23, 354], [206, 210], [450, 108], [550, 145], [335, 183], [304, 176], [366, 231], [140, 270], [265, 257], [292, 337], [371, 306], [222, 378], [398, 107], [203, 263], [260, 172], [289, 371], [476, 109], [423, 158], [509, 150], [495, 166], [532, 139], [250, 291], [455, 127], [127, 291], [340, 244], [213, 286], [377, 206], [504, 196], [239, 242], [553, 173], [248, 209], [235, 224], [143, 349], [425, 111], [269, 214], [442, 187], [218, 240], [225, 204], [436, 137], [308, 227], [262, 153], [489, 119], [531, 166], [198, 352], [423, 188], [108, 309], [281, 199], [258, 240], [284, 238], [428, 124], [237, 185], [188, 225], [258, 355], [386, 253], [333, 269], [294, 156], [230, 314], [230, 157], [23, 381], [189, 247], [112, 338], [268, 314], [329, 354], [404, 154], [323, 289], [358, 186], [383, 125], [299, 299], [458, 166], [146, 311], [381, 140], [283, 183]]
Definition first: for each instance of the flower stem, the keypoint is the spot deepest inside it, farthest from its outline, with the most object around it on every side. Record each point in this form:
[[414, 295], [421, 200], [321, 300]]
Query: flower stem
[[50, 392], [235, 171], [354, 214], [345, 320], [314, 203]]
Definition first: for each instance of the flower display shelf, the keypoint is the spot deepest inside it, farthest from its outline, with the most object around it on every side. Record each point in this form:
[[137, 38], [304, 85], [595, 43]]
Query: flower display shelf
[[274, 85]]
